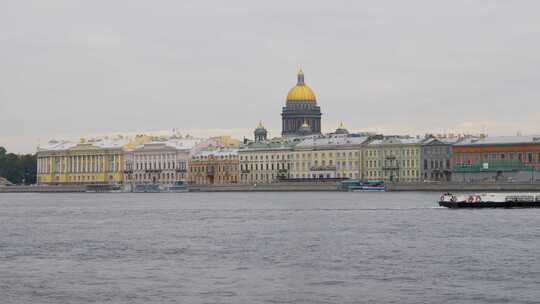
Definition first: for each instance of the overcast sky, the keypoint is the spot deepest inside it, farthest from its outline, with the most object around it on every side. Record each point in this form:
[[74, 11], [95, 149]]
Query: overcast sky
[[77, 68]]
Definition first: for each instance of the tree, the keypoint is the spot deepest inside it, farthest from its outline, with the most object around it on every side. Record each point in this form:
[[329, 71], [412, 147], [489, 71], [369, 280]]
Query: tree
[[18, 169]]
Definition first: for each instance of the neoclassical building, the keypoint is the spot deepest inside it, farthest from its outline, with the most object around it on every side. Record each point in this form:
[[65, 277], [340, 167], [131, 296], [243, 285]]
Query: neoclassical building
[[301, 114], [331, 156], [162, 162], [393, 159], [265, 162], [94, 161], [214, 167]]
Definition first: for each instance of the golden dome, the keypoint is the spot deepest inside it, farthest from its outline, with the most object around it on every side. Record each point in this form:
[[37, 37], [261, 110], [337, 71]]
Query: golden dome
[[301, 92]]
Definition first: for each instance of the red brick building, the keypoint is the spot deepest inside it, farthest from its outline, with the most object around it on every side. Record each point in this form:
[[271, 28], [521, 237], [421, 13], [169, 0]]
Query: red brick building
[[504, 158]]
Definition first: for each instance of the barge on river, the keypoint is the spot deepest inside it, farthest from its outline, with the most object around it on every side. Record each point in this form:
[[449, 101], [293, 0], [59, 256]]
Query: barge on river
[[491, 200]]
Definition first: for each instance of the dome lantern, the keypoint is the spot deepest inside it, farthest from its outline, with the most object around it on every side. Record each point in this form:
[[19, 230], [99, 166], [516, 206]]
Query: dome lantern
[[300, 78]]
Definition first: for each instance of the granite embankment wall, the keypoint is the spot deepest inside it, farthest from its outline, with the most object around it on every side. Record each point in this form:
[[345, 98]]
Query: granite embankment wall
[[41, 189], [299, 186], [511, 187], [267, 187], [294, 186]]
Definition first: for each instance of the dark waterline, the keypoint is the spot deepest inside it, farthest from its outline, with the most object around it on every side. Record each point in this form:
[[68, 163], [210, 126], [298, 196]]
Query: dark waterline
[[264, 248]]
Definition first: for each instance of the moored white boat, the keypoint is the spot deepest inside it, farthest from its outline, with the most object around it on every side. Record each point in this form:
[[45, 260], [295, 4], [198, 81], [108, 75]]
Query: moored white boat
[[491, 200]]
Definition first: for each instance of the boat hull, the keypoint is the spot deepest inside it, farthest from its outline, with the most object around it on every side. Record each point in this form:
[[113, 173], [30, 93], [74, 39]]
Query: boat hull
[[532, 204], [368, 189]]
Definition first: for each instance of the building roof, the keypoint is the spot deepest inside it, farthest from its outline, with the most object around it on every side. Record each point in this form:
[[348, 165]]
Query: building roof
[[397, 141], [109, 142], [54, 145], [102, 143], [500, 140], [217, 153], [182, 144], [175, 143], [267, 145], [330, 142], [439, 141]]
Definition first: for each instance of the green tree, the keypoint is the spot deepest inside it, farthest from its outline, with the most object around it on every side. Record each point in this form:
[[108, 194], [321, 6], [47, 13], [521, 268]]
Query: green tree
[[18, 169]]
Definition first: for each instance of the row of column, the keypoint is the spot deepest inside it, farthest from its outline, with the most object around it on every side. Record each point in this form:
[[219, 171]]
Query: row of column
[[78, 164]]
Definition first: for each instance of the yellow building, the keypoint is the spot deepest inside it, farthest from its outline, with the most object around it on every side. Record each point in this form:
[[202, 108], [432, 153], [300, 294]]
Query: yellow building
[[96, 161], [393, 159], [334, 156]]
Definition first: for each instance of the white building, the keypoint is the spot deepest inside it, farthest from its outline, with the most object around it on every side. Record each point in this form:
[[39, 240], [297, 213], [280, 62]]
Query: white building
[[162, 162]]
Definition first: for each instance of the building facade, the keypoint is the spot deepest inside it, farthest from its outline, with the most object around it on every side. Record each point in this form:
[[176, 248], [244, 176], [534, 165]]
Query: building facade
[[214, 167], [162, 162], [264, 162], [436, 159], [96, 161], [331, 156], [497, 159], [301, 114], [393, 159]]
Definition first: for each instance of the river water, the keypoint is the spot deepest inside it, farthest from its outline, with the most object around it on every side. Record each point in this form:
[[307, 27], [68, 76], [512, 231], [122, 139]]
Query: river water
[[306, 247]]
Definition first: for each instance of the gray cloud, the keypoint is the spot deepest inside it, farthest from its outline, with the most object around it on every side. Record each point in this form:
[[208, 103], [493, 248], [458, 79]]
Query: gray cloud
[[86, 67]]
